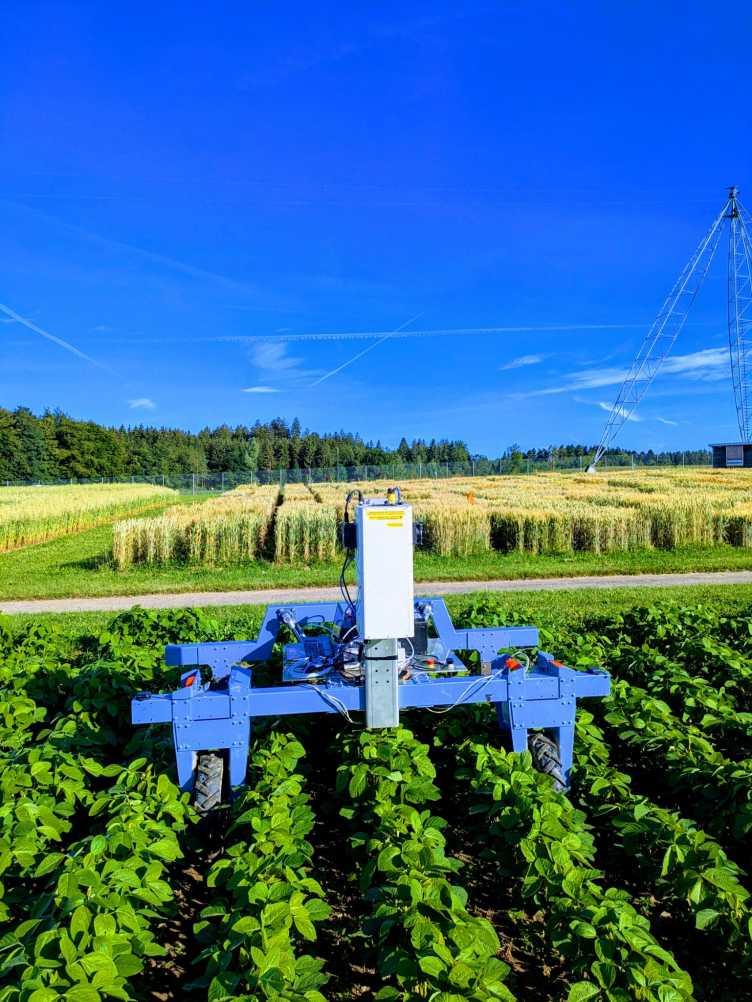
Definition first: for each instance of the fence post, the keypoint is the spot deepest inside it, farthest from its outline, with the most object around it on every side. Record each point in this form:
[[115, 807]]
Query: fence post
[[193, 483]]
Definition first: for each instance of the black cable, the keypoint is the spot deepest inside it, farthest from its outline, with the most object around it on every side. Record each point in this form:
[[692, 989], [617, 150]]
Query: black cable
[[344, 590]]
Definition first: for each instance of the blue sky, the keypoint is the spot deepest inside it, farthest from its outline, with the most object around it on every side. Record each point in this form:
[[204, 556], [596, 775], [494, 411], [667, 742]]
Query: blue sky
[[187, 190]]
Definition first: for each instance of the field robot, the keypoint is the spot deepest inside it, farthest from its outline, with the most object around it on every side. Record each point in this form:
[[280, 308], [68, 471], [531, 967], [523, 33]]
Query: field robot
[[379, 653]]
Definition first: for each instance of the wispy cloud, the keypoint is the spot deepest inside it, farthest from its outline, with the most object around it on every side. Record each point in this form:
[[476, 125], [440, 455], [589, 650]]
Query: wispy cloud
[[664, 420], [17, 318], [611, 409], [276, 370], [523, 360], [142, 404], [272, 356], [708, 365]]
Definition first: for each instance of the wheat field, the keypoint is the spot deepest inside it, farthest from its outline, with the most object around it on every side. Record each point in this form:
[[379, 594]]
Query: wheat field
[[537, 514], [231, 528], [31, 515]]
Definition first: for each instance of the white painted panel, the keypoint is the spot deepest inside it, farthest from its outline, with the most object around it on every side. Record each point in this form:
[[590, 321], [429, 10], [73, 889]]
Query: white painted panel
[[385, 570]]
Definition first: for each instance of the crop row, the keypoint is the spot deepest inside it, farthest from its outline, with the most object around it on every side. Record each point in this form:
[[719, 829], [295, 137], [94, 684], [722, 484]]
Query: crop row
[[85, 841], [427, 943], [715, 790], [269, 904], [534, 834], [92, 928], [677, 860]]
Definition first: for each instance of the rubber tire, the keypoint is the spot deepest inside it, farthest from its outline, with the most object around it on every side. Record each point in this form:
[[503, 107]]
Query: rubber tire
[[207, 792], [546, 758]]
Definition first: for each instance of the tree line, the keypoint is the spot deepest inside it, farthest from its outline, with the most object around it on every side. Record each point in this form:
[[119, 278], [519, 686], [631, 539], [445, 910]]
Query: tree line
[[54, 446]]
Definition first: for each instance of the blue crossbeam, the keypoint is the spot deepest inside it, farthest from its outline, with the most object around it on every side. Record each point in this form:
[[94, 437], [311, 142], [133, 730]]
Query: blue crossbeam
[[218, 714], [285, 700]]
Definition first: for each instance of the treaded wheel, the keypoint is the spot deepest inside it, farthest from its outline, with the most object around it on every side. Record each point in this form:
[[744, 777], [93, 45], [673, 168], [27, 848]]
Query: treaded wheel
[[207, 792], [546, 757]]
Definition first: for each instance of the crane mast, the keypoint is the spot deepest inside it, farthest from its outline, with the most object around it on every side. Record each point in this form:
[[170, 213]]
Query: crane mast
[[740, 314], [672, 316]]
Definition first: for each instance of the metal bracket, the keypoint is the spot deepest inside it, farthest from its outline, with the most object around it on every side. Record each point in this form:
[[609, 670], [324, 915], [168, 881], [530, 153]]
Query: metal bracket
[[382, 696]]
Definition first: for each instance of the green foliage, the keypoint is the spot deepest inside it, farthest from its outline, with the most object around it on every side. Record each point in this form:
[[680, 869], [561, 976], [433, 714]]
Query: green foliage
[[55, 446], [268, 903], [91, 828], [95, 928], [536, 835], [86, 842], [679, 861], [717, 790], [428, 945]]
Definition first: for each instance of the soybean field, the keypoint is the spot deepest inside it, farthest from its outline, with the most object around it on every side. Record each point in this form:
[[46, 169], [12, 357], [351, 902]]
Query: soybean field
[[422, 863]]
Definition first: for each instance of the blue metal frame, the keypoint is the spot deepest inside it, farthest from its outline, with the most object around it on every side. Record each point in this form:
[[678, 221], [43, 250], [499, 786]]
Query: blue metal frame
[[217, 714]]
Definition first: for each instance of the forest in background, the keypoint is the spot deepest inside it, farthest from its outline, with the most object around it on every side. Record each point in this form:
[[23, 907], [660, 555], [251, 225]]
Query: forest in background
[[54, 446]]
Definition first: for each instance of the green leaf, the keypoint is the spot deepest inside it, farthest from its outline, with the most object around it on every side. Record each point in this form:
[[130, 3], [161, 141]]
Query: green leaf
[[80, 920], [432, 966], [95, 962], [358, 781], [705, 918], [582, 990], [128, 965], [98, 844], [303, 922], [722, 878], [583, 929], [165, 848], [104, 925], [82, 993], [49, 863]]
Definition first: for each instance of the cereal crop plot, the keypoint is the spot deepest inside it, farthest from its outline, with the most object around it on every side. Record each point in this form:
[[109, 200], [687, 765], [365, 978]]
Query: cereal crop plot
[[228, 529], [31, 515], [462, 517]]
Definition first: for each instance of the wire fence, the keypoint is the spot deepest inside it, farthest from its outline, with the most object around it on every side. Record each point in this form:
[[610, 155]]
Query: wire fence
[[194, 483]]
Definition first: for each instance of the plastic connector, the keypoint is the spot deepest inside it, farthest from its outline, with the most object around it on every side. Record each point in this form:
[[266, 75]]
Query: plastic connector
[[348, 535]]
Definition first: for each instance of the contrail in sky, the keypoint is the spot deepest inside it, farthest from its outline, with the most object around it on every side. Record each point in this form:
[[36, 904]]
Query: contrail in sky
[[365, 351], [438, 332], [50, 337]]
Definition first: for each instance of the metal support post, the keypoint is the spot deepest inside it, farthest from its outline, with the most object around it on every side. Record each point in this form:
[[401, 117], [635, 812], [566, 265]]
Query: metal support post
[[382, 695]]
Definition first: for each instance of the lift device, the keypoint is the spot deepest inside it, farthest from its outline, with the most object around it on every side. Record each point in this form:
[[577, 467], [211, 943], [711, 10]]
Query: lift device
[[385, 652]]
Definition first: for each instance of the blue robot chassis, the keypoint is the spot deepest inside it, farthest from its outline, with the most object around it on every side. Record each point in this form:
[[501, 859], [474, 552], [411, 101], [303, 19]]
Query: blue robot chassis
[[216, 714]]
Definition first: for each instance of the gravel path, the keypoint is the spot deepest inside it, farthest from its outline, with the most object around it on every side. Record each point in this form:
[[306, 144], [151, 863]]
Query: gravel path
[[289, 595]]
